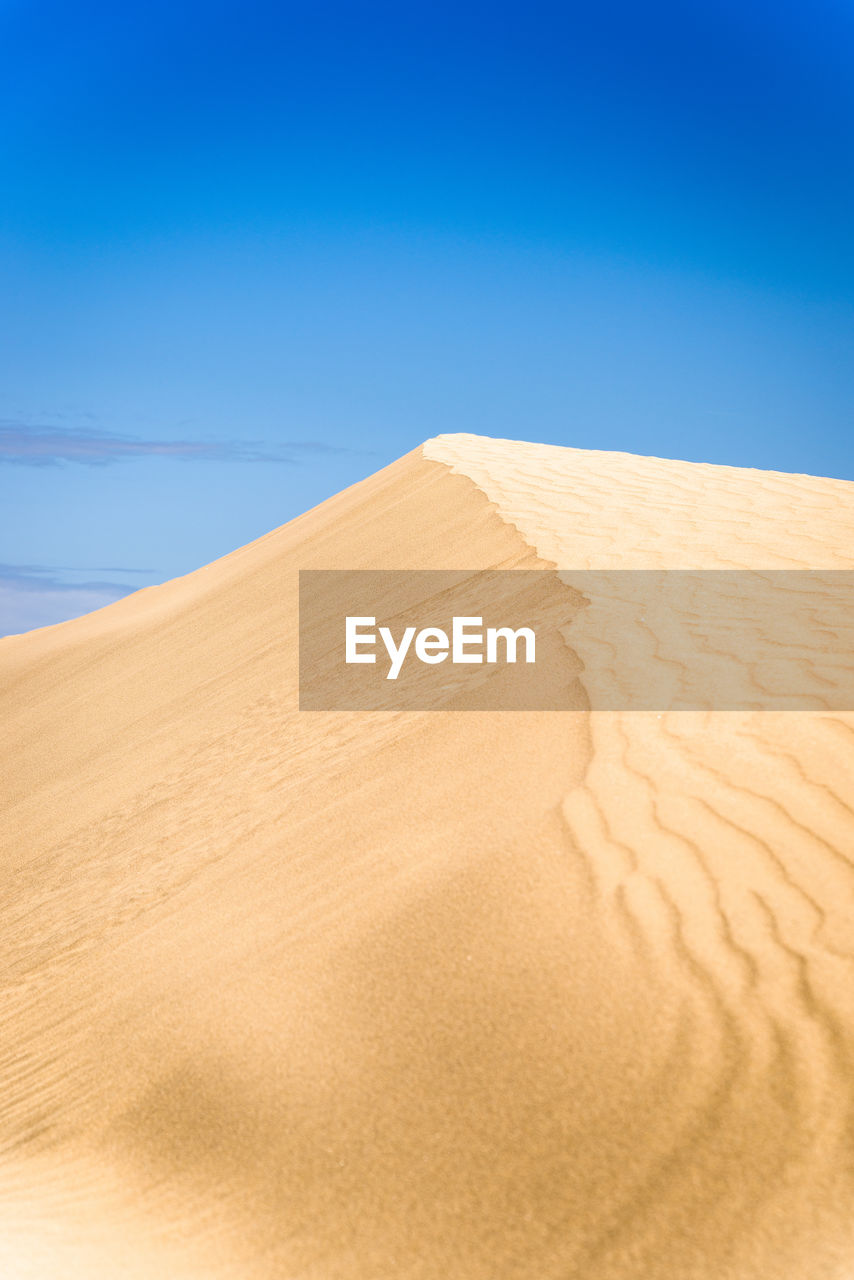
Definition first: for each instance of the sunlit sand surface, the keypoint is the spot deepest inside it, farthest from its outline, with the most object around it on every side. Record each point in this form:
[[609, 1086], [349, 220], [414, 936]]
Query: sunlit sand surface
[[404, 996]]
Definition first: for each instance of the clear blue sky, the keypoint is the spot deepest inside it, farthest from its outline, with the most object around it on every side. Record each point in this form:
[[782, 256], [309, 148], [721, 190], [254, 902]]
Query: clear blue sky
[[251, 253]]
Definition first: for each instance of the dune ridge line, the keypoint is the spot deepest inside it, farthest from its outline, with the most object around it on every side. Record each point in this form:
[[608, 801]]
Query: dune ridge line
[[345, 996]]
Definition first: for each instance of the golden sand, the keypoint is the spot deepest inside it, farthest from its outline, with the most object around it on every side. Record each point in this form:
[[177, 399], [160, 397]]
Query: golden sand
[[396, 996]]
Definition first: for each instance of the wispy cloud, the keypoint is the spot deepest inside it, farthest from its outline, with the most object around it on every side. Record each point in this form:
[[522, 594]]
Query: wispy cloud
[[23, 445], [35, 595], [39, 577]]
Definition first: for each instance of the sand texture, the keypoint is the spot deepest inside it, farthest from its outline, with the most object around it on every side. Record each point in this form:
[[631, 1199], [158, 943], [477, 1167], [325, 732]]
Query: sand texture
[[426, 996]]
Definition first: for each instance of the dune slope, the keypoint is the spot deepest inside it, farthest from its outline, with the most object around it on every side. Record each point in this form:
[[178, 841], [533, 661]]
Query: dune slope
[[340, 995]]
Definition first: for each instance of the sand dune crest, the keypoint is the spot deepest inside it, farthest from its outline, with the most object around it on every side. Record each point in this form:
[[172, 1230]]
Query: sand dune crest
[[341, 995]]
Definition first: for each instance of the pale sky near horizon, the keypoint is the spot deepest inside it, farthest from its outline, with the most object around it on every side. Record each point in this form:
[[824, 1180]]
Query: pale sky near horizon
[[250, 254]]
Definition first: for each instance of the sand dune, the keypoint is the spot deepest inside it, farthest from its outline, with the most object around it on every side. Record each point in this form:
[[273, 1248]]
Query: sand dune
[[356, 996]]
